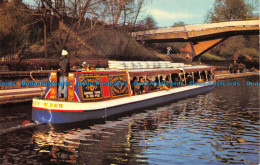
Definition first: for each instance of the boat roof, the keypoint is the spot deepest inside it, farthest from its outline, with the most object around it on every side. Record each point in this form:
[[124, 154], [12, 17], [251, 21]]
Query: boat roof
[[148, 72], [141, 68]]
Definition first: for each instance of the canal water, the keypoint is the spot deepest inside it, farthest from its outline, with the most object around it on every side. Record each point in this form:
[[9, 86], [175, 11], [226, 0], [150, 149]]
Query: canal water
[[218, 127]]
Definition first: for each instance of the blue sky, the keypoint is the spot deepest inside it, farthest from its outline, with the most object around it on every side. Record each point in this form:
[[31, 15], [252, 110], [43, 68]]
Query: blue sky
[[167, 12]]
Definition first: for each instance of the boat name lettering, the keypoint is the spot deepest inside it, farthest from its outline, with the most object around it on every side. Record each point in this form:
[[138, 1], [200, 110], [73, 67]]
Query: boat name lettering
[[118, 83], [48, 105]]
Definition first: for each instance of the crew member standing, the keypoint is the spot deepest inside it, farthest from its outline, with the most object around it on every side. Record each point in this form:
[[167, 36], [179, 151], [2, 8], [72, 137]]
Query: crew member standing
[[64, 66]]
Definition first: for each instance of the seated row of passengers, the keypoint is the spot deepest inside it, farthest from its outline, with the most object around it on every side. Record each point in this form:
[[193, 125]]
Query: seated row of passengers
[[146, 85]]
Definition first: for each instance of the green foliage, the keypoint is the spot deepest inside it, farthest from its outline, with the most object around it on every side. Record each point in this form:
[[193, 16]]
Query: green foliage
[[235, 44], [148, 23], [225, 10], [232, 45], [176, 24]]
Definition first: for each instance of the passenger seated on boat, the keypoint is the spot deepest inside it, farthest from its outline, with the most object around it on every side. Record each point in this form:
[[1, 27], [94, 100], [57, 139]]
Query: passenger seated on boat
[[142, 84], [175, 81], [188, 78], [163, 84], [161, 80], [74, 68], [203, 76], [147, 86], [91, 68], [164, 87], [182, 80], [168, 81], [196, 76], [155, 85], [134, 86]]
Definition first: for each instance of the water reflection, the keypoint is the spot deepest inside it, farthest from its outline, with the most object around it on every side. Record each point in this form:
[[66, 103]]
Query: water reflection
[[215, 128]]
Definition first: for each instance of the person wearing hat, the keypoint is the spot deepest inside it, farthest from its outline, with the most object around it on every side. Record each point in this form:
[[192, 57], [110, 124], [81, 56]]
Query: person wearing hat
[[85, 66], [64, 67]]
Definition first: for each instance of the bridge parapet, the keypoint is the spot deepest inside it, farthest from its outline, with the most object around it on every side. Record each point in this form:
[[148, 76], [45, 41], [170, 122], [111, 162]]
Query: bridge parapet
[[199, 27]]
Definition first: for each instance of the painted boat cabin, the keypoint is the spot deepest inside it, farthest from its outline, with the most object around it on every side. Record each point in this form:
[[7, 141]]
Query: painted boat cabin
[[99, 85], [86, 86]]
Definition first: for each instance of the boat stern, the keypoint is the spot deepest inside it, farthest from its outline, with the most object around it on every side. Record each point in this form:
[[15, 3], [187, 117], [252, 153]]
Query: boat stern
[[53, 111]]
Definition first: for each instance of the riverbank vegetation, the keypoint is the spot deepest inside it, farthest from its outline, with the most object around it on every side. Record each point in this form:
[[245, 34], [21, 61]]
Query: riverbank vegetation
[[95, 29]]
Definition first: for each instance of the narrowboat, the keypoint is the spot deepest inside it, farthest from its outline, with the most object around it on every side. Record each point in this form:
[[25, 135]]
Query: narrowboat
[[124, 86]]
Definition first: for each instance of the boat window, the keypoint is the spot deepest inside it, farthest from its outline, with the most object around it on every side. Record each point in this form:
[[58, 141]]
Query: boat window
[[133, 84], [196, 76], [189, 78], [211, 75]]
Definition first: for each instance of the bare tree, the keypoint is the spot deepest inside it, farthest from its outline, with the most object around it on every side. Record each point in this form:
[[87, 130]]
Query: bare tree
[[69, 20]]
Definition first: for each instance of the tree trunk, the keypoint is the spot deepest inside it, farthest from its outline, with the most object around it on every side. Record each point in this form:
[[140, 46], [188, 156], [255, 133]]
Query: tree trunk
[[45, 35]]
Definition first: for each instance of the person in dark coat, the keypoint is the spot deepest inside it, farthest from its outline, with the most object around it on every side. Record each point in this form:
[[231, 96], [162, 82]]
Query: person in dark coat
[[64, 67], [135, 87]]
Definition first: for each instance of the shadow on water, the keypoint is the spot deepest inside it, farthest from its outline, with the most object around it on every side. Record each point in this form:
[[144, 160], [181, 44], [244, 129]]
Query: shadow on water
[[217, 127]]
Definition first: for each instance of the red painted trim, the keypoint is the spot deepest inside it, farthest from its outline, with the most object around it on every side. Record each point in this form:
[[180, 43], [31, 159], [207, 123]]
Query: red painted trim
[[59, 110], [106, 92], [48, 94], [75, 96]]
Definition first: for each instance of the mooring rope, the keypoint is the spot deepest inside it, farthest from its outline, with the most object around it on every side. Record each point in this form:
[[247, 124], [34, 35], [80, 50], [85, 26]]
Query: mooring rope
[[34, 80]]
